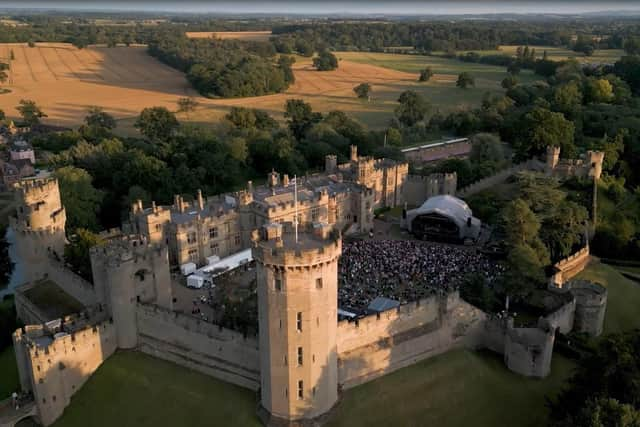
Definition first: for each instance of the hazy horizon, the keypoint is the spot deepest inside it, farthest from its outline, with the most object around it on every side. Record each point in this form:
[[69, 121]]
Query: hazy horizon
[[335, 7]]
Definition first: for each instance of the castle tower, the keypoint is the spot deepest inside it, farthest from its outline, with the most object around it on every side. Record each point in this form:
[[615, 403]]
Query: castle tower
[[354, 153], [39, 224], [552, 159], [595, 160], [297, 307], [126, 271], [330, 163]]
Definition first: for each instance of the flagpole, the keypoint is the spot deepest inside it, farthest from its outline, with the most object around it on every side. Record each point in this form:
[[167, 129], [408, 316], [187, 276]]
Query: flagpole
[[295, 203]]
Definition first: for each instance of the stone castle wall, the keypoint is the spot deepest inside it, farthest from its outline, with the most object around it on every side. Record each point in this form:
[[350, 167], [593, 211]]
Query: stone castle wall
[[528, 351], [498, 178], [379, 344], [56, 371], [202, 346], [418, 188], [569, 267]]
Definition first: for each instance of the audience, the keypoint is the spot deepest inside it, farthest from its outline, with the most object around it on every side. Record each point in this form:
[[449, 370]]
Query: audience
[[405, 270]]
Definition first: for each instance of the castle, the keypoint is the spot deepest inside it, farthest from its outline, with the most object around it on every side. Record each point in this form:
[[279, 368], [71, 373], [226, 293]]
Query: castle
[[303, 355]]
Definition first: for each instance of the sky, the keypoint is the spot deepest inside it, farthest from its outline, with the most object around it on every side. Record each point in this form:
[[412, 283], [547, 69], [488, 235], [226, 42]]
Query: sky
[[401, 7]]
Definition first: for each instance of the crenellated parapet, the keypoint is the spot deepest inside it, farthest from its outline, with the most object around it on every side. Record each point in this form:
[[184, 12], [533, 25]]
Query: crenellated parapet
[[278, 248]]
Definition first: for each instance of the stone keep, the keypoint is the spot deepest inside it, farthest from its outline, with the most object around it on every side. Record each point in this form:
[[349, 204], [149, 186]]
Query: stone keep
[[126, 271], [297, 285], [39, 224]]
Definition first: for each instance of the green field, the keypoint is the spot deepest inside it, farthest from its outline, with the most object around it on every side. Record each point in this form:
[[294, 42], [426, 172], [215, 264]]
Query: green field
[[624, 297], [133, 389], [8, 373], [441, 90], [559, 53], [461, 388]]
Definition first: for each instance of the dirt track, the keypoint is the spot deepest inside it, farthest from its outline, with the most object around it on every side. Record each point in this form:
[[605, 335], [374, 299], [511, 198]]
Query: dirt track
[[65, 81]]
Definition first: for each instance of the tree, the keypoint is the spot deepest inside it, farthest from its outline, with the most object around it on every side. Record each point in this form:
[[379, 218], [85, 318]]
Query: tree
[[187, 104], [513, 68], [605, 388], [486, 147], [425, 75], [598, 90], [81, 200], [509, 82], [300, 117], [465, 80], [30, 112], [157, 123], [325, 61], [541, 128], [524, 270], [632, 45], [412, 109], [628, 68], [567, 97], [520, 224], [475, 291], [394, 137], [77, 254], [564, 229], [98, 124], [363, 90]]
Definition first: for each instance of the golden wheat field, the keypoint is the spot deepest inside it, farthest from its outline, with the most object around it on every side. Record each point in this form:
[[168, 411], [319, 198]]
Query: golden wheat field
[[65, 82], [230, 35]]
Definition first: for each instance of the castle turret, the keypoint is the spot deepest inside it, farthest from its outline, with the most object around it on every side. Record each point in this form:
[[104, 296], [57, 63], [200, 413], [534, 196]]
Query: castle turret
[[354, 153], [39, 224], [595, 160], [552, 159], [297, 304], [126, 271], [330, 163]]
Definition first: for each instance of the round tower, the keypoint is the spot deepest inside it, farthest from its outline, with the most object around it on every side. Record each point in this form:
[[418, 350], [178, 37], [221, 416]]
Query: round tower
[[297, 304], [39, 223]]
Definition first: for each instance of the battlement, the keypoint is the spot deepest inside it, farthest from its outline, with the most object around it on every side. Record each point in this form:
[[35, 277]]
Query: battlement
[[577, 256], [36, 187], [317, 244], [127, 248], [194, 324], [43, 342], [588, 293]]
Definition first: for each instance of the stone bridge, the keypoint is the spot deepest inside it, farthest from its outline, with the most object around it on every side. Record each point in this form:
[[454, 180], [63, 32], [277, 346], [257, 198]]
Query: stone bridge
[[9, 416]]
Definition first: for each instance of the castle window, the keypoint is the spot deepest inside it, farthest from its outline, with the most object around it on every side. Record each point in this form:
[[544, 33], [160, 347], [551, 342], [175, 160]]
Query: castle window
[[54, 398], [158, 227], [319, 283], [299, 322], [237, 239], [278, 284], [213, 232], [286, 392], [191, 237], [285, 360], [314, 391], [300, 358], [193, 255], [300, 390], [214, 248], [315, 214]]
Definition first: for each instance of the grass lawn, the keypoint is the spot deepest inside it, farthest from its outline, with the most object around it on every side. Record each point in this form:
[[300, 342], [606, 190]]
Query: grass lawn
[[623, 300], [461, 388], [8, 373], [441, 90], [133, 389], [559, 53], [52, 300]]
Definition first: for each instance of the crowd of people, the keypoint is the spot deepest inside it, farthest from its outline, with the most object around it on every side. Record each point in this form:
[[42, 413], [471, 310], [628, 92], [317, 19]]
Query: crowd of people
[[405, 270]]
